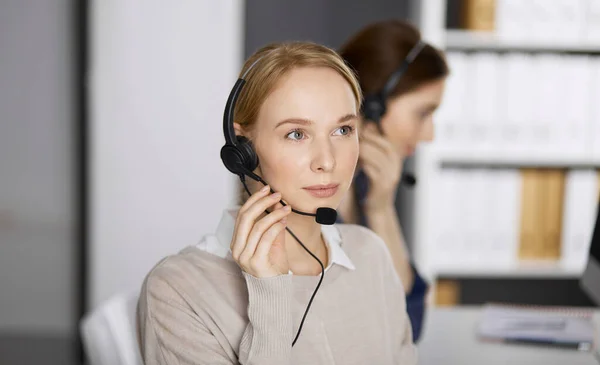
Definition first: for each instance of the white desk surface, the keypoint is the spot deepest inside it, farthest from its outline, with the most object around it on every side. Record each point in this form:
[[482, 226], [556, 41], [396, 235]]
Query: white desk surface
[[449, 338]]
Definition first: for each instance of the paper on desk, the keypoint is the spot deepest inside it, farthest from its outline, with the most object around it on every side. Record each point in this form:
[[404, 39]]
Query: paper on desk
[[541, 324]]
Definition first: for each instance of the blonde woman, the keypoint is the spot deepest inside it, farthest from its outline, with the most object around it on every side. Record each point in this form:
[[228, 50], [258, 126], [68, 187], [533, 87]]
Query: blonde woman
[[240, 295]]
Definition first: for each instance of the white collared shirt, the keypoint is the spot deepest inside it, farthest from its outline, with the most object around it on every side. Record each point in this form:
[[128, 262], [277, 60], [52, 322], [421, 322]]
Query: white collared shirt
[[219, 243]]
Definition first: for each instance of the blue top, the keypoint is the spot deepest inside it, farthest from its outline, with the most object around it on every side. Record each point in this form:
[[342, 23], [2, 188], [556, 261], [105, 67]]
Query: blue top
[[415, 299]]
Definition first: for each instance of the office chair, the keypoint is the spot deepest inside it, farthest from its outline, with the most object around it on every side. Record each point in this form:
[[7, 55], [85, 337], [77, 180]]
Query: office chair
[[109, 333]]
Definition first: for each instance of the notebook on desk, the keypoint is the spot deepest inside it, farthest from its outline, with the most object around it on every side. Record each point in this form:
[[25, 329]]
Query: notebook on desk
[[555, 326]]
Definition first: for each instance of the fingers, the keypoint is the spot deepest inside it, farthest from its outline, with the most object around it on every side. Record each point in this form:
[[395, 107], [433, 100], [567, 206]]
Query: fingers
[[373, 173], [253, 198], [246, 219], [260, 229], [373, 156], [261, 255]]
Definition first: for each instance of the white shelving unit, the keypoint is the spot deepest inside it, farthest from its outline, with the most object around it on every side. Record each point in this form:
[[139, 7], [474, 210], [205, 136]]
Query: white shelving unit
[[429, 162]]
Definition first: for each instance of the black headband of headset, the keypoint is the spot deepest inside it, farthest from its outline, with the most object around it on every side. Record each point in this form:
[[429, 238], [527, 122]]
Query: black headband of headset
[[228, 130], [395, 77], [373, 106]]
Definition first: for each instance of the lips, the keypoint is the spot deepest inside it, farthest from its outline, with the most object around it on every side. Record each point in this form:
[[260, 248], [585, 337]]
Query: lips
[[322, 191]]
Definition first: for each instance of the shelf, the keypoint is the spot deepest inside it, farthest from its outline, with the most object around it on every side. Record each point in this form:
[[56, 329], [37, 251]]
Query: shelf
[[452, 159], [532, 269], [469, 40]]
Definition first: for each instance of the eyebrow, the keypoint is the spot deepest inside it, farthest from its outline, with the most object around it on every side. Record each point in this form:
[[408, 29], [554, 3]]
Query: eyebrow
[[302, 121], [431, 106]]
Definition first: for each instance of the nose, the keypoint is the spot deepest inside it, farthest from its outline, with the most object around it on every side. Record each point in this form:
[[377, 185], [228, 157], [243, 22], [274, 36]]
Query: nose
[[427, 132], [323, 155]]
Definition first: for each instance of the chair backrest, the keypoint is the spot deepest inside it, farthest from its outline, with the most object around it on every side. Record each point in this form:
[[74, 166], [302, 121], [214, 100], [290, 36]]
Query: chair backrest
[[109, 332]]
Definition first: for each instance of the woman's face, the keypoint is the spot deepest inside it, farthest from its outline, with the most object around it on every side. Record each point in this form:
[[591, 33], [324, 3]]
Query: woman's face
[[306, 139], [409, 117]]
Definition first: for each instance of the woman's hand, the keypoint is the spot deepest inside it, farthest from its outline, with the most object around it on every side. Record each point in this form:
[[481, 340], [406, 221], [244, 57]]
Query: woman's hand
[[382, 164], [258, 246]]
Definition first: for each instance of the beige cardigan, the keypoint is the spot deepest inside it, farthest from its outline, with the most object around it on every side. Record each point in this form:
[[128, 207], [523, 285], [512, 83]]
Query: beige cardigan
[[197, 307]]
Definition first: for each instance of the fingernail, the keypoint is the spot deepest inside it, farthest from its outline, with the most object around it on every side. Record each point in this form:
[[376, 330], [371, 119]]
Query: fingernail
[[284, 220], [276, 195], [264, 189], [287, 208]]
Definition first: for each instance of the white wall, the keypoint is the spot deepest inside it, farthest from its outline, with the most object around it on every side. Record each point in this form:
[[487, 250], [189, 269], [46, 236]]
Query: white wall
[[160, 75]]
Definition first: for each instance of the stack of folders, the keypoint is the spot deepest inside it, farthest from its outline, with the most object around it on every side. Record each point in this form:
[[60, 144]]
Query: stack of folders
[[562, 327], [521, 106], [513, 220]]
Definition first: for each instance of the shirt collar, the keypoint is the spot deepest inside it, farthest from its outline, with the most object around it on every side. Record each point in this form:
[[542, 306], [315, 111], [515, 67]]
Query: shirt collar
[[331, 234]]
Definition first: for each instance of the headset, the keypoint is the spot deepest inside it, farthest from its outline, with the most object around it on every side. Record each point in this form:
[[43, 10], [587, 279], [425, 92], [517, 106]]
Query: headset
[[240, 158], [374, 105]]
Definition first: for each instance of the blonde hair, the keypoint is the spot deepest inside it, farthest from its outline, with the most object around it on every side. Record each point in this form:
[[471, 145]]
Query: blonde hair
[[274, 62], [271, 64]]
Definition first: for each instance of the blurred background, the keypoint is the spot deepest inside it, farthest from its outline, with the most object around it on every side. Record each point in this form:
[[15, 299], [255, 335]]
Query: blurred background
[[110, 131]]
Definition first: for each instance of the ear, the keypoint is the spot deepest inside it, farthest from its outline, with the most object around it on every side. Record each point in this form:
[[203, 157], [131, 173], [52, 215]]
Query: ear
[[239, 130]]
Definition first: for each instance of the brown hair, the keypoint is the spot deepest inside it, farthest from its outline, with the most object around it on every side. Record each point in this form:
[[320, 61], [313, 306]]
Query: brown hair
[[274, 62], [378, 50]]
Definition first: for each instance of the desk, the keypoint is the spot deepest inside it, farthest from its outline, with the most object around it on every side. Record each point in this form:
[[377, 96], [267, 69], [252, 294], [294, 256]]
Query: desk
[[449, 338]]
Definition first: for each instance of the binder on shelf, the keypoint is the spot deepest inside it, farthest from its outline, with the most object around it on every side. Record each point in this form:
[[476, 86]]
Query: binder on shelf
[[447, 249], [486, 111], [478, 15], [520, 73], [501, 212], [576, 105], [530, 239], [552, 214], [548, 105], [541, 214]]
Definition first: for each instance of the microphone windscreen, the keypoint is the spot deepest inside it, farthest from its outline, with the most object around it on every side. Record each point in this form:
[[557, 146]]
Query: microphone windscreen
[[326, 216], [409, 179]]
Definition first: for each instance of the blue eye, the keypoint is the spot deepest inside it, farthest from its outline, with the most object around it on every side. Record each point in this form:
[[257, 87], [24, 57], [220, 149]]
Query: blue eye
[[295, 135], [345, 130]]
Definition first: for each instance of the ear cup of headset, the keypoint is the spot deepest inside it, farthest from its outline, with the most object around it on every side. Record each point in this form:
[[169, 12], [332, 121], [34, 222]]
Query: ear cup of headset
[[249, 155], [241, 158], [232, 159]]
